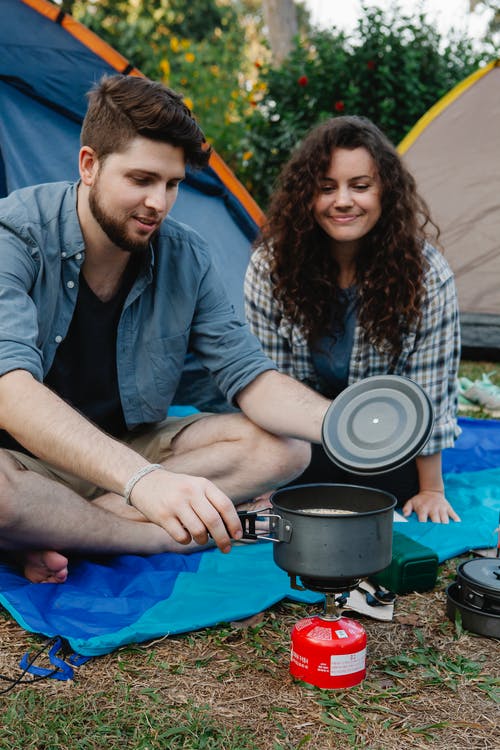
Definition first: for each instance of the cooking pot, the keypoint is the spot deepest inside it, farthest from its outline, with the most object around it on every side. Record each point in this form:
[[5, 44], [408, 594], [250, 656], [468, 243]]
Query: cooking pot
[[330, 535], [475, 595], [479, 584]]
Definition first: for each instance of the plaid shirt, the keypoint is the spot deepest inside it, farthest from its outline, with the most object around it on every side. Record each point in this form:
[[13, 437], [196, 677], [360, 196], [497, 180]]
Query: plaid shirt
[[429, 356]]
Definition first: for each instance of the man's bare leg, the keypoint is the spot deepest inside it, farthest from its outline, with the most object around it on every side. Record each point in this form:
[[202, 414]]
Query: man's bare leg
[[45, 566], [243, 460], [39, 514]]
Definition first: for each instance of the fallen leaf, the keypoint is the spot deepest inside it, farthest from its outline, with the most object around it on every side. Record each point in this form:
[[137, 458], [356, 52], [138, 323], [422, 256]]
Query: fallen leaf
[[413, 620], [248, 622]]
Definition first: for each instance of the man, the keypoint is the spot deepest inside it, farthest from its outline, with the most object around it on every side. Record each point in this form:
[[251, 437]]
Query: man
[[99, 298]]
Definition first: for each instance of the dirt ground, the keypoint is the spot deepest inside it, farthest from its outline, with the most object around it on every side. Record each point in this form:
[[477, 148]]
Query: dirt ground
[[429, 683]]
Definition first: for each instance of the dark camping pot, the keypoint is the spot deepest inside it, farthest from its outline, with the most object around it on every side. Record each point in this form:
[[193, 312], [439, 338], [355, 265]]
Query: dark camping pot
[[475, 596], [331, 535]]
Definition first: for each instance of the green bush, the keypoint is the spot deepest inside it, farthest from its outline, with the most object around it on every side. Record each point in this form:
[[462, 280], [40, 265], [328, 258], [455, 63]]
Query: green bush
[[196, 48], [392, 70]]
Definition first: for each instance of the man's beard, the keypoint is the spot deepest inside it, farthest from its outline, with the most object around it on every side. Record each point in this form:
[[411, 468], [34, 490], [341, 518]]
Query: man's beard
[[114, 229]]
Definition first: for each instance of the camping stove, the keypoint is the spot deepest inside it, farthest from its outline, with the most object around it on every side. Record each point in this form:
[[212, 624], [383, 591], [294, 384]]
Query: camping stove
[[329, 536], [328, 650]]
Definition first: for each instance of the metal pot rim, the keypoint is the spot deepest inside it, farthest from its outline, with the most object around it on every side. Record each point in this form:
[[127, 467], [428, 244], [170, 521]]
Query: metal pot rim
[[356, 515], [469, 580]]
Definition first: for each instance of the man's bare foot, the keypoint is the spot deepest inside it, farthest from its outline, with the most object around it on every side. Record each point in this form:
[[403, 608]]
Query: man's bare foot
[[262, 502], [45, 566]]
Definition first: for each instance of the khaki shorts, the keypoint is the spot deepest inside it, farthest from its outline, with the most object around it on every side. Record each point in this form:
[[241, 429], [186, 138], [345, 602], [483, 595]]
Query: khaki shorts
[[153, 442]]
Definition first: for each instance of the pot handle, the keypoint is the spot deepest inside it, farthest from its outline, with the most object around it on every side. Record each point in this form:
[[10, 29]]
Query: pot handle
[[281, 528]]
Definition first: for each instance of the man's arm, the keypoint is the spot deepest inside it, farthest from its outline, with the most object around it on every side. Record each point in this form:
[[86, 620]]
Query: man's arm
[[283, 406], [44, 424]]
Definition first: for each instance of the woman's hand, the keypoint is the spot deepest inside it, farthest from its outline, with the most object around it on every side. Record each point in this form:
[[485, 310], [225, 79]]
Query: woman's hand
[[430, 505]]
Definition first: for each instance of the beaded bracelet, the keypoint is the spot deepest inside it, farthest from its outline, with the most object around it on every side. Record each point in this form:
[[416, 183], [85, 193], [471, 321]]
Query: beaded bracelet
[[135, 478]]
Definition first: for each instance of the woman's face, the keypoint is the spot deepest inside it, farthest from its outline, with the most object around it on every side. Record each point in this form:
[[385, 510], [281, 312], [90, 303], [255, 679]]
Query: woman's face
[[348, 203]]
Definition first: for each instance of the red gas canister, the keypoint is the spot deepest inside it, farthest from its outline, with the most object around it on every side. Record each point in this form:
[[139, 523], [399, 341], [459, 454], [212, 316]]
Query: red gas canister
[[328, 653]]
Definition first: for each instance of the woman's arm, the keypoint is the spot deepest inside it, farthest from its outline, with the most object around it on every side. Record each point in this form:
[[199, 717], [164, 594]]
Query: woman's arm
[[281, 340], [433, 363]]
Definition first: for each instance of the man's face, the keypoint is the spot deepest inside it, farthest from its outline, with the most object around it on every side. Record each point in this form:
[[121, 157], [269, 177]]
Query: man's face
[[134, 190]]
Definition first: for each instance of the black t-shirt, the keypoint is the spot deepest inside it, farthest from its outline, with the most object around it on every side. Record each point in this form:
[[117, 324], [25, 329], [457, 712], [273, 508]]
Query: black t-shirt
[[84, 372]]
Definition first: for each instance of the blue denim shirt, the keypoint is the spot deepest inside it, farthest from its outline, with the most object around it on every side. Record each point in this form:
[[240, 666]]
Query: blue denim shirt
[[177, 300]]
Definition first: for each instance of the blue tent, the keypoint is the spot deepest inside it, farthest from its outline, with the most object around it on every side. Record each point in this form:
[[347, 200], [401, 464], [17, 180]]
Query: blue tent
[[48, 61]]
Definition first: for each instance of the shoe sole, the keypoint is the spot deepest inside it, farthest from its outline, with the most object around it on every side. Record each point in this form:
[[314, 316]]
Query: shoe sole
[[495, 413]]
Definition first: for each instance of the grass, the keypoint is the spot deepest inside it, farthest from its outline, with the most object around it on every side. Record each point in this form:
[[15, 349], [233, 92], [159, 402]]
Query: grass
[[430, 684], [114, 720], [474, 369]]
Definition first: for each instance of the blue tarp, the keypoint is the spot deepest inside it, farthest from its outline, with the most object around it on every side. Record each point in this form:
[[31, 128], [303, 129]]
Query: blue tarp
[[128, 599], [110, 602]]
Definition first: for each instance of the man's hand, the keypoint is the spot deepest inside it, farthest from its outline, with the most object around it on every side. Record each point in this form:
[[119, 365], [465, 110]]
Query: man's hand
[[430, 505], [188, 508]]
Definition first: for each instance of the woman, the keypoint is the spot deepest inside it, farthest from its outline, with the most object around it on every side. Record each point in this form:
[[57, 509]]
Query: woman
[[344, 285]]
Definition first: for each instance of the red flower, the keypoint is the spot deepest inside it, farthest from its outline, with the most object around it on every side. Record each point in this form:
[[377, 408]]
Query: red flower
[[339, 106], [371, 64], [303, 81], [258, 64]]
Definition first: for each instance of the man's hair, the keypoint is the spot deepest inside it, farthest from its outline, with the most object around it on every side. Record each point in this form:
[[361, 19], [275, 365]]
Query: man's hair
[[124, 107]]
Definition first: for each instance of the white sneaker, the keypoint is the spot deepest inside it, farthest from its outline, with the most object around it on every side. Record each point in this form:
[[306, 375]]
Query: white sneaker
[[484, 393]]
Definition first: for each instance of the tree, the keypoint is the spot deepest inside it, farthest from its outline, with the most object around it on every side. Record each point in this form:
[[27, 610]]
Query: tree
[[254, 110], [391, 71], [196, 48], [494, 22], [280, 17], [490, 5]]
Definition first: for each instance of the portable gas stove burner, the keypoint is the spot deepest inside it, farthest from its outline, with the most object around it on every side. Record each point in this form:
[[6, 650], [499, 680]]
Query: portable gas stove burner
[[329, 650], [325, 585]]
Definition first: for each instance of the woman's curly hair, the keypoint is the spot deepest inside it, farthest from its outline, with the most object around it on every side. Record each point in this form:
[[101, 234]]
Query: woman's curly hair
[[391, 265]]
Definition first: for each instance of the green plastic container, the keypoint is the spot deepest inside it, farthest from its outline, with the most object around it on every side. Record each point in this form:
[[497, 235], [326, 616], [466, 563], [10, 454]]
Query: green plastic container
[[413, 568]]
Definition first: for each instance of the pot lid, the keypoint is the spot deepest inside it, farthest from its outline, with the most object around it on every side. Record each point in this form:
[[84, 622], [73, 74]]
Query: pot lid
[[482, 571], [377, 424]]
